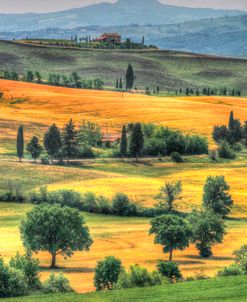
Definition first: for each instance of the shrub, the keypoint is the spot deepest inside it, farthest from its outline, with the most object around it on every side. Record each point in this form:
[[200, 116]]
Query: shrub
[[107, 273], [169, 270], [196, 144], [176, 157], [86, 151], [241, 257], [45, 159], [138, 277], [13, 192], [201, 275], [56, 284], [213, 155], [121, 205], [225, 151], [104, 205], [90, 203], [232, 270], [30, 268], [12, 282]]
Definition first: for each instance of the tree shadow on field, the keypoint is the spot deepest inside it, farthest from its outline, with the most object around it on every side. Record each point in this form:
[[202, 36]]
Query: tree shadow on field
[[213, 258], [68, 269]]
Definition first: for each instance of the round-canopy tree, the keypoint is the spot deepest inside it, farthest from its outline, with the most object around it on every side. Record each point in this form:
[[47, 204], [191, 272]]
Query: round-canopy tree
[[172, 232], [58, 230]]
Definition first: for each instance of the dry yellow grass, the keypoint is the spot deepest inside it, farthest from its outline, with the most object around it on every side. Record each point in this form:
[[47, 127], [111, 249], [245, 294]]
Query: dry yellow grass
[[37, 106]]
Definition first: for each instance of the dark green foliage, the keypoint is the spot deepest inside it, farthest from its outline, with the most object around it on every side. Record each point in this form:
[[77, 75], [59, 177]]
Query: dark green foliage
[[38, 77], [225, 151], [172, 232], [30, 268], [69, 140], [89, 134], [12, 282], [130, 78], [124, 142], [231, 121], [52, 141], [34, 148], [232, 270], [138, 277], [106, 273], [60, 231], [216, 197], [169, 193], [241, 258], [56, 284], [13, 192], [29, 76], [20, 143], [220, 133], [122, 206], [137, 141], [208, 230], [177, 157], [169, 270]]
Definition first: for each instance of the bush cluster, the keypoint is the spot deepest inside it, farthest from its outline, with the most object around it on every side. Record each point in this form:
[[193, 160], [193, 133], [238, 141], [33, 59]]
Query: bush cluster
[[21, 277]]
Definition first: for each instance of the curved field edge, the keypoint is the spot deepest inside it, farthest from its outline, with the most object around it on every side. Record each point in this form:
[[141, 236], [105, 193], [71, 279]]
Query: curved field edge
[[229, 289]]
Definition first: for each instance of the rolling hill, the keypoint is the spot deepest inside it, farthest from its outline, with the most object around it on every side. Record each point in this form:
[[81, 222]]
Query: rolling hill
[[124, 12], [168, 69]]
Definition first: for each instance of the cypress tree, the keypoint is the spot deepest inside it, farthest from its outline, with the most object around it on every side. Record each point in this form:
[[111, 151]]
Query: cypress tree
[[143, 41], [121, 84], [130, 78], [69, 139], [231, 122], [117, 84], [124, 142], [137, 141], [52, 141], [20, 143]]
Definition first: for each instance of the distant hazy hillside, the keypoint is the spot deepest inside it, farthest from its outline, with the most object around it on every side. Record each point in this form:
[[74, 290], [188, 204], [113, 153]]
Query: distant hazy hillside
[[167, 69], [124, 12], [223, 36]]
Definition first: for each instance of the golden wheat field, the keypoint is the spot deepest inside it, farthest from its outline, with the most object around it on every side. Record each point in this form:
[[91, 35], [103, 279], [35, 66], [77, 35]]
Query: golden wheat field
[[37, 106]]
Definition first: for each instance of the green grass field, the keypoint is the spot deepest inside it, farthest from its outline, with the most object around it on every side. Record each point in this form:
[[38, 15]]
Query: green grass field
[[232, 289], [169, 70]]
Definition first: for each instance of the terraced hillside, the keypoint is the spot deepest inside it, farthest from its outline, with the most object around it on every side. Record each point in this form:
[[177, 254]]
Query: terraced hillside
[[167, 69]]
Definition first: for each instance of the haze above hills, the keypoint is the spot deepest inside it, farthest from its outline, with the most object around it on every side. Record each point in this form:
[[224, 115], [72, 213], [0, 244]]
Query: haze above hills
[[124, 12]]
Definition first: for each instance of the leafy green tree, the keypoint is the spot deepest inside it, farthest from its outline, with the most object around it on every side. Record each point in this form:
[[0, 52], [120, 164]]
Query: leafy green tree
[[208, 230], [30, 268], [20, 143], [52, 141], [130, 78], [70, 140], [76, 80], [34, 148], [106, 273], [169, 193], [58, 230], [90, 133], [124, 142], [172, 232], [216, 196], [122, 206], [137, 141]]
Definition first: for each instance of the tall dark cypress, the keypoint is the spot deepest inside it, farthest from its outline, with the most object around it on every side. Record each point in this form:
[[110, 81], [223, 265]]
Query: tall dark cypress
[[69, 140], [52, 141], [137, 141], [20, 143], [124, 142], [120, 84], [231, 121], [130, 78], [117, 84]]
